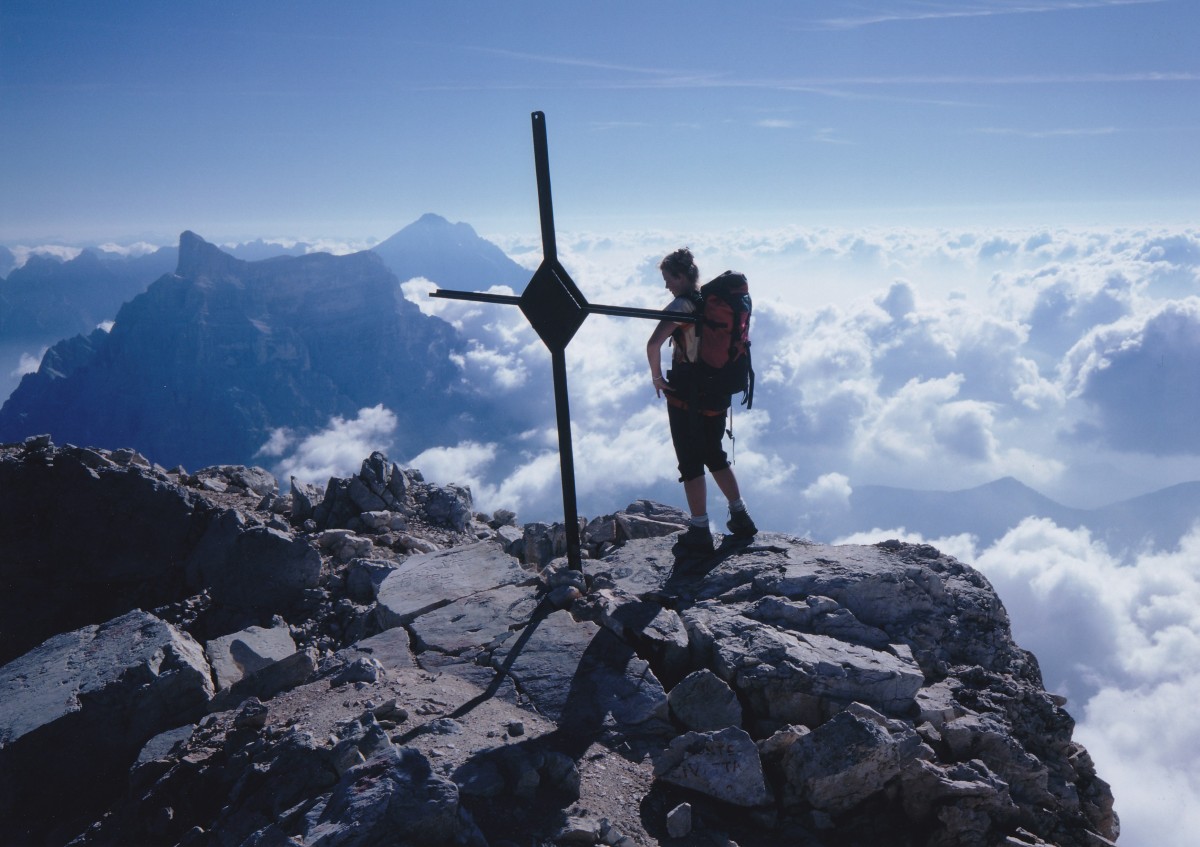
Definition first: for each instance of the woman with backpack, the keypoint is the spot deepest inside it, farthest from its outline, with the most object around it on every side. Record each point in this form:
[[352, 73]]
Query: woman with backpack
[[697, 419]]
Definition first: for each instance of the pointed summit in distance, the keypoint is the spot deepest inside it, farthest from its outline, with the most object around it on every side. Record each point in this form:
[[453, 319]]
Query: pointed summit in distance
[[198, 258], [450, 254]]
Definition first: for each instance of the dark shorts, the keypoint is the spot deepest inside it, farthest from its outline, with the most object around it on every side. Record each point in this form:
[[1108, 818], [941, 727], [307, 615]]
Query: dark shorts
[[697, 440]]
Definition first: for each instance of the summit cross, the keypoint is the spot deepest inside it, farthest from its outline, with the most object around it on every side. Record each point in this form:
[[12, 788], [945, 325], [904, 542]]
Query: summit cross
[[556, 308]]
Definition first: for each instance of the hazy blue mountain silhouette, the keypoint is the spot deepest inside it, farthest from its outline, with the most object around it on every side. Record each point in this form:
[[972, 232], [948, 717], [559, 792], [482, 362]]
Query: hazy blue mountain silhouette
[[8, 261], [209, 360], [47, 299], [988, 511], [452, 255]]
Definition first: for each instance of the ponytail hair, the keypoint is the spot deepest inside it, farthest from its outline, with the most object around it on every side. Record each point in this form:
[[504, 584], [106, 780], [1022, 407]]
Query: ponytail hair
[[681, 263]]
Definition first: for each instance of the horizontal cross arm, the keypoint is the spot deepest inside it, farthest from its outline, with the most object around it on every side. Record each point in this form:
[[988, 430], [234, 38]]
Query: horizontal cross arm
[[651, 314], [477, 296]]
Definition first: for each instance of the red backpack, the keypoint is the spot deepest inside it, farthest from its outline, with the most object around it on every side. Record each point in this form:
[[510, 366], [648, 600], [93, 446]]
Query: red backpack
[[723, 364]]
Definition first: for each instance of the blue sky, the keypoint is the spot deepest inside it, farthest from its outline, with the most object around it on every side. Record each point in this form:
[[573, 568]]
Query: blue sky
[[240, 120]]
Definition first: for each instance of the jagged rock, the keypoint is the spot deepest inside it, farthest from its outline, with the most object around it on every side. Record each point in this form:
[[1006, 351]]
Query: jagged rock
[[679, 821], [393, 797], [580, 829], [820, 616], [795, 677], [241, 653], [929, 788], [936, 703], [658, 632], [305, 497], [703, 702], [364, 576], [539, 693], [840, 763], [647, 519], [543, 543], [85, 539], [251, 479], [449, 506], [254, 568], [106, 689], [384, 497], [425, 582], [360, 670], [390, 649], [723, 764]]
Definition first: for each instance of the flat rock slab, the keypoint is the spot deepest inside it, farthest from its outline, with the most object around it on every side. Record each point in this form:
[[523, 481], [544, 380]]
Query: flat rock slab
[[582, 676], [650, 568], [391, 648], [241, 653], [476, 622], [428, 581], [96, 663], [636, 569]]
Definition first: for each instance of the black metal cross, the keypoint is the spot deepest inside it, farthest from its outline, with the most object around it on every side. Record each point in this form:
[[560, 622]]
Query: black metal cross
[[556, 308]]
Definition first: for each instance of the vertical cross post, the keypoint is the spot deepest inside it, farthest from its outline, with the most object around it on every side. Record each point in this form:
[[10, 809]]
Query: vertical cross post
[[556, 308]]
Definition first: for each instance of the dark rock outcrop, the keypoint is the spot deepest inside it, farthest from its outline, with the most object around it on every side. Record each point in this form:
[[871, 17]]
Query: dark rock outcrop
[[445, 691]]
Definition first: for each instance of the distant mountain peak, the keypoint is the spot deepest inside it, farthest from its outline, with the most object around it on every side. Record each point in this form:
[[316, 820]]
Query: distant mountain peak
[[450, 254], [198, 257]]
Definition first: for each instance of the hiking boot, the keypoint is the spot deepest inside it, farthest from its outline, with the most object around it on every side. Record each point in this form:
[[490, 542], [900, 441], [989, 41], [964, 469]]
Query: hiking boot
[[697, 539], [740, 525]]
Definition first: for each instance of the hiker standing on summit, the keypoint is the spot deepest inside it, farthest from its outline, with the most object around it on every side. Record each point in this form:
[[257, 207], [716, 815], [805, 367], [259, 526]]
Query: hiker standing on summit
[[697, 419]]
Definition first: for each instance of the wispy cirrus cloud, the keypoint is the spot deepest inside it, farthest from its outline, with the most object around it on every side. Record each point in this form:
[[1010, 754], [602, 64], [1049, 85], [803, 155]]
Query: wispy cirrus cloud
[[924, 12], [1049, 133]]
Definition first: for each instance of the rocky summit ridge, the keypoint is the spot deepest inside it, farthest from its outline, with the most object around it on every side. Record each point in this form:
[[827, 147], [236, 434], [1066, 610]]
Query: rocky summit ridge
[[201, 659]]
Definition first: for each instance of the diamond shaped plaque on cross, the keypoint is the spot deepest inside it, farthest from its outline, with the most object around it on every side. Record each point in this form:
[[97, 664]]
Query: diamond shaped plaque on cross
[[556, 308]]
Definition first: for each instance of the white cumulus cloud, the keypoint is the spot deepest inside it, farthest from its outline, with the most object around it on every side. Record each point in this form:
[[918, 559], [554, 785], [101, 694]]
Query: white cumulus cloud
[[338, 450]]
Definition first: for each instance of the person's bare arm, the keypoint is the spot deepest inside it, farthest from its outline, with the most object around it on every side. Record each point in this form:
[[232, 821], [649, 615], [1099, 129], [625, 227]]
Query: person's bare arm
[[654, 353]]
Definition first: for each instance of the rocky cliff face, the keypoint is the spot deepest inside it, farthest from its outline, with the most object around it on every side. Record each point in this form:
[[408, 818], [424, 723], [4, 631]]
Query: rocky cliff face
[[210, 360], [374, 663]]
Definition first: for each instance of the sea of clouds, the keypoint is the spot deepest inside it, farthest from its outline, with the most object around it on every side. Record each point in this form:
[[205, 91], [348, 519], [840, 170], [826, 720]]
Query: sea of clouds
[[919, 358]]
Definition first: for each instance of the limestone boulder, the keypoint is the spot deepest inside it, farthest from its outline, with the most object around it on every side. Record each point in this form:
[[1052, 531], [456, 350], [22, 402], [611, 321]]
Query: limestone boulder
[[104, 689], [394, 797], [840, 764], [239, 654], [703, 702], [723, 764], [793, 677]]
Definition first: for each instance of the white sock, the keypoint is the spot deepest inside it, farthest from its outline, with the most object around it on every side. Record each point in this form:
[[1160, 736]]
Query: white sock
[[738, 505], [699, 520]]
